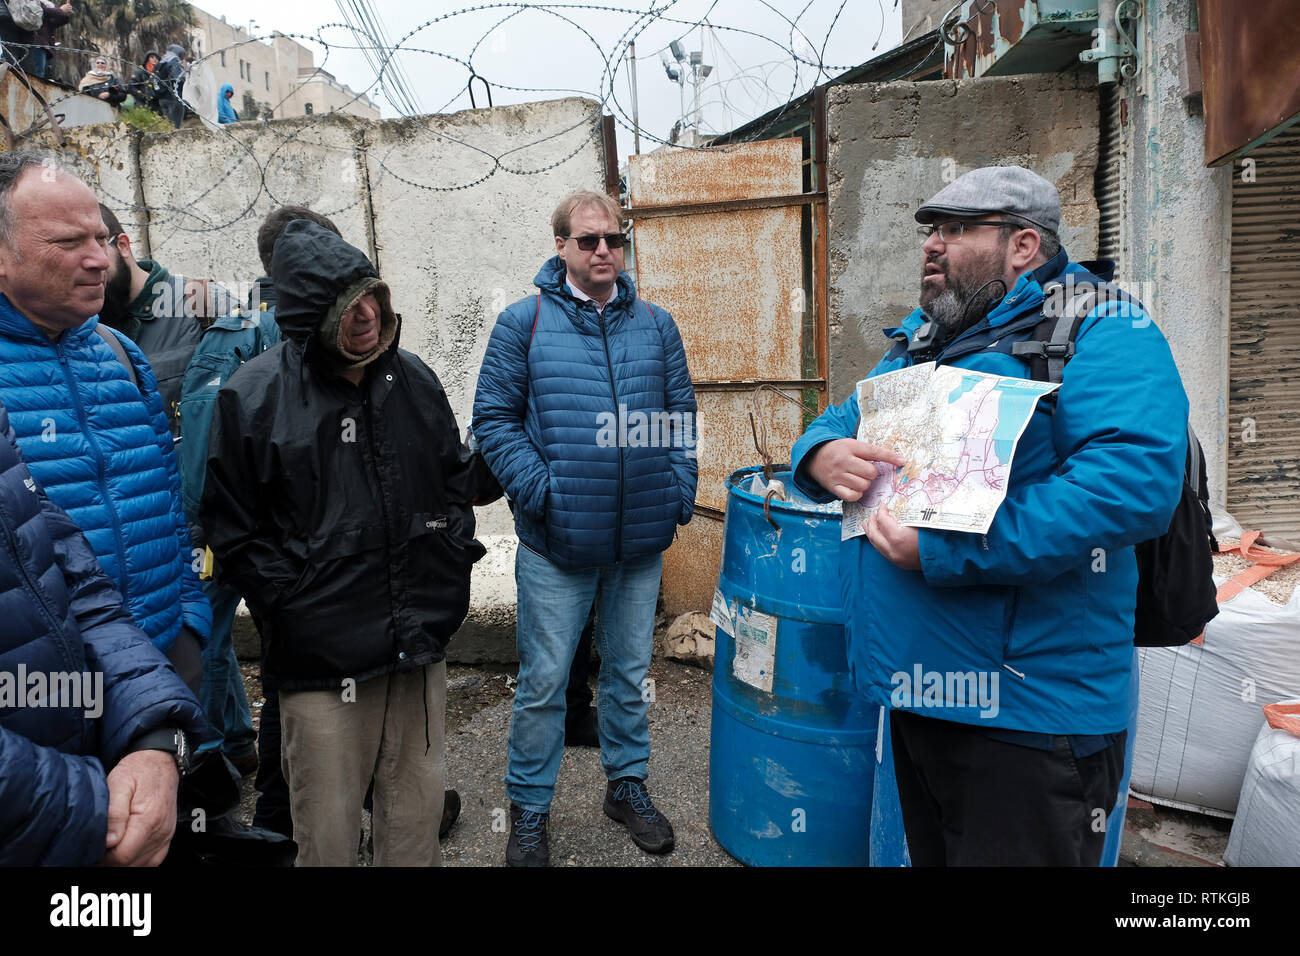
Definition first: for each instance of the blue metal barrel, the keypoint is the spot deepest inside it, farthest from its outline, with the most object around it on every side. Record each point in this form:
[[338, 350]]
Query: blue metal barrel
[[793, 747]]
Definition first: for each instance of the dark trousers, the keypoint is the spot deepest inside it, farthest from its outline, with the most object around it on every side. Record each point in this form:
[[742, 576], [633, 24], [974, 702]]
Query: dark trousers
[[186, 656], [272, 810], [971, 800]]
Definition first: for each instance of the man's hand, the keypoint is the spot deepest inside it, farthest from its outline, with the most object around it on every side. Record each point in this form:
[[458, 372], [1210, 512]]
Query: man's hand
[[899, 545], [846, 466], [141, 808]]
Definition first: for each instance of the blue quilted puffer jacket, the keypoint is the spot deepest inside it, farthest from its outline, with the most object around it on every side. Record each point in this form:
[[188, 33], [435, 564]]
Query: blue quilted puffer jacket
[[588, 422], [101, 448], [62, 616]]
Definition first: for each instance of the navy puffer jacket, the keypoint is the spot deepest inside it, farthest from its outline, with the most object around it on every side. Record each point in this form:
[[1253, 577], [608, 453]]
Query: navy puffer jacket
[[101, 448], [62, 614], [588, 422]]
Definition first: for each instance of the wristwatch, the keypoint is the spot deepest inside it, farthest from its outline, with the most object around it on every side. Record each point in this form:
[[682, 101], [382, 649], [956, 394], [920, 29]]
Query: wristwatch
[[171, 740]]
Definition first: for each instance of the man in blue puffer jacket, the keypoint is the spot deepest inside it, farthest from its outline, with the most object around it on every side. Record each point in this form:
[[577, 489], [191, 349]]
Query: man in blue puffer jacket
[[1006, 656], [586, 414], [84, 777], [85, 406]]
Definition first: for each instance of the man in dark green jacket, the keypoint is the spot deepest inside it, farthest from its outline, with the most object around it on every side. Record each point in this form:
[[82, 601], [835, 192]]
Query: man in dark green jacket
[[162, 313]]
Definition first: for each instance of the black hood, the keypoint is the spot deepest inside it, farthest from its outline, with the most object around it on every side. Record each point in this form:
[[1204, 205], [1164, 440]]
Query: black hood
[[311, 267], [263, 291]]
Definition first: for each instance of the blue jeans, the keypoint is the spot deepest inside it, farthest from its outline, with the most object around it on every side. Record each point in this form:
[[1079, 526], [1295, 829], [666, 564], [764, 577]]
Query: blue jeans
[[553, 607], [222, 691], [34, 62]]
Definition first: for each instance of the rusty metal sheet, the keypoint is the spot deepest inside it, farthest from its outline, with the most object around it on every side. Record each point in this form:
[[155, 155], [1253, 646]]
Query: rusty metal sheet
[[767, 168], [1250, 69], [26, 109], [733, 281], [691, 566], [726, 443], [726, 440]]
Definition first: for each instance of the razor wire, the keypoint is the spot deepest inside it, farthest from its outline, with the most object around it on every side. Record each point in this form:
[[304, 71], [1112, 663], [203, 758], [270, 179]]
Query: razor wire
[[247, 144]]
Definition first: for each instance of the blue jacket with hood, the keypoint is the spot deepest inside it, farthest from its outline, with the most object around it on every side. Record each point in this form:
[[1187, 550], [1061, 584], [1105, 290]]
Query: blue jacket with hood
[[62, 616], [1043, 603], [588, 422], [225, 109], [101, 448]]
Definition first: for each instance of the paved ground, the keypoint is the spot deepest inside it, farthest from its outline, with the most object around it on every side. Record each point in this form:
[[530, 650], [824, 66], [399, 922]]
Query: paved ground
[[478, 716], [1156, 836], [580, 833]]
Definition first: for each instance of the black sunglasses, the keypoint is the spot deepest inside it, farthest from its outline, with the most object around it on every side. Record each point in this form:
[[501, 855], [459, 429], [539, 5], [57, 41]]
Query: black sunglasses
[[615, 240]]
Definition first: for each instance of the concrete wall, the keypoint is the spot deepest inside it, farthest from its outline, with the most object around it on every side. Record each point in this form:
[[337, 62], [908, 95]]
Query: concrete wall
[[454, 210], [1177, 228], [893, 145]]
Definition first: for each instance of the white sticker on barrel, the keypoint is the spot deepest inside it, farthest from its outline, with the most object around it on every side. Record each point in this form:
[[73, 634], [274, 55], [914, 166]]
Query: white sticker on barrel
[[755, 648], [720, 614]]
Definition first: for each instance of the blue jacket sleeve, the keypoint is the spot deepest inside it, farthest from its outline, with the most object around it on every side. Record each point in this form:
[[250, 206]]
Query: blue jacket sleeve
[[1120, 433], [838, 421], [53, 806], [196, 612], [500, 408], [142, 691], [680, 397]]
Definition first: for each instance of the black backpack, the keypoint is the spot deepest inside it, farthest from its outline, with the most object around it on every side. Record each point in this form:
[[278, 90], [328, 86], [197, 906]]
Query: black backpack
[[1176, 590]]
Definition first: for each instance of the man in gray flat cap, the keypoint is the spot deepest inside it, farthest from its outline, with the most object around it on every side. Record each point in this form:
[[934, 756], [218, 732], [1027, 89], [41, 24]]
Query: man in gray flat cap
[[1010, 750]]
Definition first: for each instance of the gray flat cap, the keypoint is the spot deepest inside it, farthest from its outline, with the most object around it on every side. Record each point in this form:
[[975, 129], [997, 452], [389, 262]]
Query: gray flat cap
[[1010, 189]]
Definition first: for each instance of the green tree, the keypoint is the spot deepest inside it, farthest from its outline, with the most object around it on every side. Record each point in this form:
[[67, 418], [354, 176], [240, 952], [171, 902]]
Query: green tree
[[126, 29]]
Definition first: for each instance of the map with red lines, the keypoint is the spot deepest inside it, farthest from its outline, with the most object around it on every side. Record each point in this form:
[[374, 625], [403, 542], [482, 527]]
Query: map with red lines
[[958, 430]]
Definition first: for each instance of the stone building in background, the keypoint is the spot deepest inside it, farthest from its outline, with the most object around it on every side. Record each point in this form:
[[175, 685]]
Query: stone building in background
[[280, 74]]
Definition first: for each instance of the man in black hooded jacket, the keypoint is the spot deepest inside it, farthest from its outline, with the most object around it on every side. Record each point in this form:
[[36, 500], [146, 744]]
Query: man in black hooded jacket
[[338, 502]]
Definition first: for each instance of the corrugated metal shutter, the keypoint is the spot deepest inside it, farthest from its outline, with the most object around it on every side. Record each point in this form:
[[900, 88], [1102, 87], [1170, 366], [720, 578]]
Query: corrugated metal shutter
[[1264, 364], [1112, 177]]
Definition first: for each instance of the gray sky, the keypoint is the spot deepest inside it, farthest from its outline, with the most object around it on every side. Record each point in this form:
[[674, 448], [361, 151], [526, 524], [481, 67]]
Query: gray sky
[[558, 49]]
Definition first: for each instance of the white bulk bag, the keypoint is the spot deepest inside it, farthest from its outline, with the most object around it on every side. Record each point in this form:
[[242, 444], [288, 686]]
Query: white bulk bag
[[1265, 832], [1200, 704]]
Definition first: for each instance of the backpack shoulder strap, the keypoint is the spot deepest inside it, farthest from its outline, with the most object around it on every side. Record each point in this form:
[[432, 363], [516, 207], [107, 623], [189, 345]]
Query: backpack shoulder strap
[[537, 313], [119, 351], [1052, 344]]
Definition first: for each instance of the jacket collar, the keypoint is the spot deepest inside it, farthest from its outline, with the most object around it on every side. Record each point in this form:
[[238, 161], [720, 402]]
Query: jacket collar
[[141, 307], [17, 327], [551, 278], [1027, 294]]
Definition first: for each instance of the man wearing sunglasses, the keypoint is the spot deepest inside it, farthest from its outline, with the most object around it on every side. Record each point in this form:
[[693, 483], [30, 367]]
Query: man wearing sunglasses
[[1040, 608], [567, 376]]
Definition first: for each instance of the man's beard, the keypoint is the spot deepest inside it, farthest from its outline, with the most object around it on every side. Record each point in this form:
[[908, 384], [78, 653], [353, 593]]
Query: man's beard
[[115, 312], [965, 300]]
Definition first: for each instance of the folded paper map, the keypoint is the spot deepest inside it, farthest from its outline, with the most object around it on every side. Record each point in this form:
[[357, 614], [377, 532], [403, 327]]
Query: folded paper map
[[957, 429]]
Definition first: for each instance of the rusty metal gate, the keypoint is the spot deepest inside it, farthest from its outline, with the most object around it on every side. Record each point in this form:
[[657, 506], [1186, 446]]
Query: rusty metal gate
[[1264, 359], [730, 243]]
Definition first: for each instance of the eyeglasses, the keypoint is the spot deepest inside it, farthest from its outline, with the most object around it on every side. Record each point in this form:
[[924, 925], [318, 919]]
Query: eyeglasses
[[615, 240], [951, 231]]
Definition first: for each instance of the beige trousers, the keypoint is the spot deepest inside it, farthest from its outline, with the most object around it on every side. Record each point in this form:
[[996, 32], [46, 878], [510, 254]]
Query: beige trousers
[[335, 740]]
